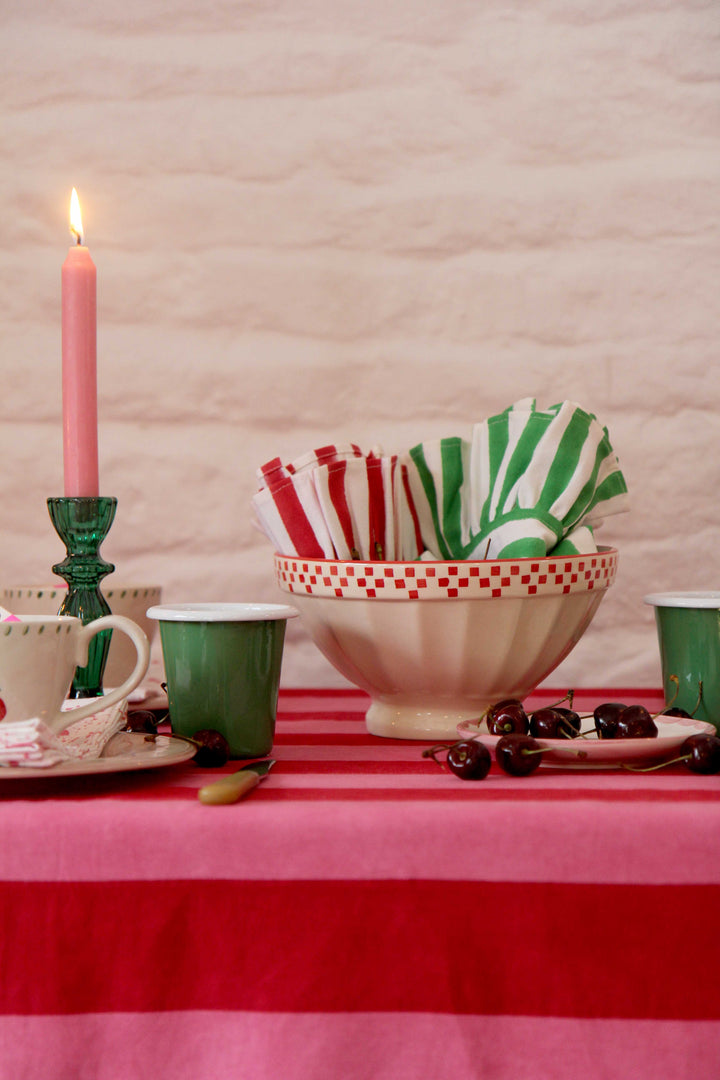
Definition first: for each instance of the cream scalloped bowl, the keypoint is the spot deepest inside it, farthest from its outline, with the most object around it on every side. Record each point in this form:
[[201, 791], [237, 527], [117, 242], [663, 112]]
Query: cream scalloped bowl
[[435, 643]]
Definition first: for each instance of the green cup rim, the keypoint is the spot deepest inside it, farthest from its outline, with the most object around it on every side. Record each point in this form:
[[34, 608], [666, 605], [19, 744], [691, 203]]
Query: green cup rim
[[220, 612], [701, 598]]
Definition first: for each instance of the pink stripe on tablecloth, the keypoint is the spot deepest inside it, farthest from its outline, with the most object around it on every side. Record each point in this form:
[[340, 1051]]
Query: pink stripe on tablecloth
[[503, 840], [198, 1044]]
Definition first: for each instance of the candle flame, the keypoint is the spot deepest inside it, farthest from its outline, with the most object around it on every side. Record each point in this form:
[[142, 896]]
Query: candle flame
[[76, 227]]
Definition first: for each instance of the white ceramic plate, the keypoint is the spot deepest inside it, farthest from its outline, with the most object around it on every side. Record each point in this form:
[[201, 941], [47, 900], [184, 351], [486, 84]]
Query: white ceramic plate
[[128, 751], [593, 753]]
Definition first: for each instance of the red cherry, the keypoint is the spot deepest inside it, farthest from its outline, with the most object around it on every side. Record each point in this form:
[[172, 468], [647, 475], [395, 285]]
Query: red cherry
[[3, 709], [606, 718], [518, 755], [469, 760], [507, 717], [701, 753], [635, 722], [554, 723], [212, 748]]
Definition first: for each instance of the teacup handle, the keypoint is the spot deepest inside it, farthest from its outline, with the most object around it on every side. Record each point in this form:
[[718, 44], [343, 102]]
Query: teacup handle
[[108, 622]]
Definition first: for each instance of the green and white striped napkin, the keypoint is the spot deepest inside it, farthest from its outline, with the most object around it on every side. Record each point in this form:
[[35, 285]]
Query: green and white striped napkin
[[527, 484]]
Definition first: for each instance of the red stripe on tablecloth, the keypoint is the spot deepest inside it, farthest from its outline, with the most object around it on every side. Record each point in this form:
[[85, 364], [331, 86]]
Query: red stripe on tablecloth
[[364, 794], [357, 716], [361, 766], [673, 785], [70, 790], [399, 767], [466, 794], [647, 952], [328, 737]]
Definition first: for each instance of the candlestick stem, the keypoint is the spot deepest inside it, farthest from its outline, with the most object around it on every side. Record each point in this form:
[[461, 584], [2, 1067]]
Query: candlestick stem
[[82, 523]]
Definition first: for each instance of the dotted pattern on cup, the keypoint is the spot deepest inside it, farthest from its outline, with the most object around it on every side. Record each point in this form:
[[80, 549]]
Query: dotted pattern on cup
[[26, 629]]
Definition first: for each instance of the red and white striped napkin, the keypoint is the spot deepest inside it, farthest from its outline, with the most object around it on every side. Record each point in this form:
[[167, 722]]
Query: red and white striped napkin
[[31, 743], [338, 503]]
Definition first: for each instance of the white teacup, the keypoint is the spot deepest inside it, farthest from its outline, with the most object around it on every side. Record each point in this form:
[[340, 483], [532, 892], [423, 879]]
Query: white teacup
[[132, 601], [38, 657]]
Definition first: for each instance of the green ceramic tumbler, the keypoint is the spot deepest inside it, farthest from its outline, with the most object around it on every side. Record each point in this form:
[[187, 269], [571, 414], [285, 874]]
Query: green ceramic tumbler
[[222, 665], [688, 627]]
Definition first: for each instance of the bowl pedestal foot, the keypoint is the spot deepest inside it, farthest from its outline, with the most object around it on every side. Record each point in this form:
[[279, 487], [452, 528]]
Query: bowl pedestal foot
[[426, 721]]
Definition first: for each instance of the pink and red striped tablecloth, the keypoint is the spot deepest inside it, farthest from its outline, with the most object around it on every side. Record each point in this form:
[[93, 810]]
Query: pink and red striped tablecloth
[[363, 914]]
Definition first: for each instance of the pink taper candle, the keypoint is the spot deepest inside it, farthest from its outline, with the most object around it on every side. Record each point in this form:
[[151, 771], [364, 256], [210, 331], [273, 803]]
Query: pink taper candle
[[79, 365]]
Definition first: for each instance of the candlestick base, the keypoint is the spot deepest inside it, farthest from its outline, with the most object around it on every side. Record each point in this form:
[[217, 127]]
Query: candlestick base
[[82, 523]]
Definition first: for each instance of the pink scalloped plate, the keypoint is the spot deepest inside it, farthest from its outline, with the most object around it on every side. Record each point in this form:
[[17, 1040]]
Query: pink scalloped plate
[[593, 753]]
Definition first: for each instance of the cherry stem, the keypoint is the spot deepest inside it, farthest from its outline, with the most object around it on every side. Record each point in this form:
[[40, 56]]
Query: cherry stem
[[668, 704], [431, 751], [700, 697], [652, 768], [568, 697], [549, 749]]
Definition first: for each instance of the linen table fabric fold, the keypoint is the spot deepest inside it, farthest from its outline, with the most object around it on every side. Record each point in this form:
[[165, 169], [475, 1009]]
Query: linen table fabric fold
[[362, 914]]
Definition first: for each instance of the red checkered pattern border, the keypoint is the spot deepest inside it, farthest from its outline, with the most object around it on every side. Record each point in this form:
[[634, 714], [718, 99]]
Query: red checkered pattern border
[[441, 580]]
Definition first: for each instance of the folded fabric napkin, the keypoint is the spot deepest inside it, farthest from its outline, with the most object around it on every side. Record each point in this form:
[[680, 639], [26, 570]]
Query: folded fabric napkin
[[338, 503], [527, 484], [32, 743]]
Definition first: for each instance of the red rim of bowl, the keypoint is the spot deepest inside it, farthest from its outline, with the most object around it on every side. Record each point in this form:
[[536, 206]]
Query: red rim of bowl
[[432, 580]]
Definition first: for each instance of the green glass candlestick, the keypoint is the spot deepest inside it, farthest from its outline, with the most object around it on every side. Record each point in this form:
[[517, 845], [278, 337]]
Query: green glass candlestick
[[82, 523]]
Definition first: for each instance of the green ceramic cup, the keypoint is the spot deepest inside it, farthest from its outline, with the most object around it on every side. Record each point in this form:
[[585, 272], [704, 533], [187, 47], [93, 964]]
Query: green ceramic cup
[[222, 665], [688, 627]]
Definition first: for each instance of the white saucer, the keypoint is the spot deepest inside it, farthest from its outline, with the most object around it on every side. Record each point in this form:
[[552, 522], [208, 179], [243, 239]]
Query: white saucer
[[128, 751]]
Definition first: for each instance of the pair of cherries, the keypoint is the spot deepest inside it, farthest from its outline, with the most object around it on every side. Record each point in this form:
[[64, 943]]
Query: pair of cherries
[[520, 755]]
